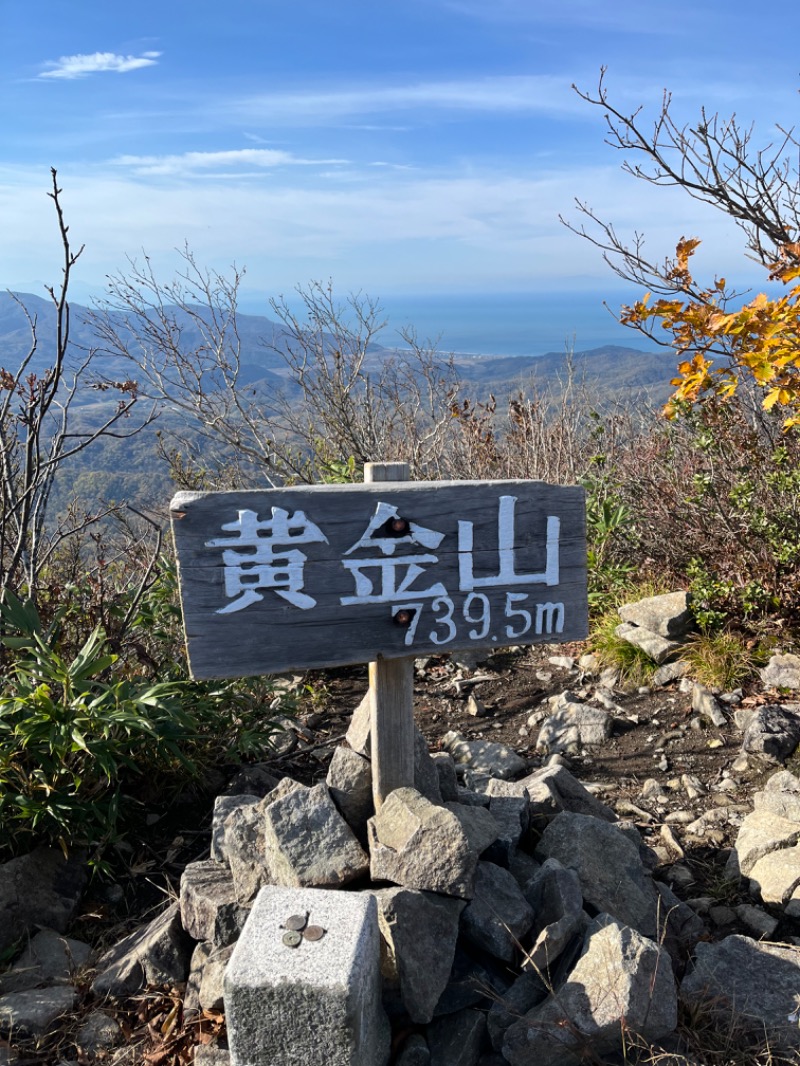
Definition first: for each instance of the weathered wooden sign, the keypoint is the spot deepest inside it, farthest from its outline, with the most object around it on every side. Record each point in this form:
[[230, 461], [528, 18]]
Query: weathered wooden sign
[[317, 576]]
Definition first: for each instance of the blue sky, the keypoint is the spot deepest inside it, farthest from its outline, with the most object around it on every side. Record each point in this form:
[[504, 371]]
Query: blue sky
[[426, 146]]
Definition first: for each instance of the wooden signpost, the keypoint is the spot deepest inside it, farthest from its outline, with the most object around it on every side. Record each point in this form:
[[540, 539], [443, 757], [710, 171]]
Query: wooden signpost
[[282, 579]]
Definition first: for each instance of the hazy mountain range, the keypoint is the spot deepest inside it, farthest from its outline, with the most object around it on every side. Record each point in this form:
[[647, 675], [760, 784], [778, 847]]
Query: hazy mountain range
[[615, 369], [129, 469]]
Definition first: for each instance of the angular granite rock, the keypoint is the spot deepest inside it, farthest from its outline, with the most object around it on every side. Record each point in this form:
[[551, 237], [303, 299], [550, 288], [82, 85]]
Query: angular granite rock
[[622, 982], [612, 877], [48, 958], [40, 889], [760, 833], [308, 844], [158, 953], [669, 615], [498, 916], [751, 980], [349, 783], [417, 844], [555, 896], [772, 732], [419, 931], [483, 757], [208, 903], [782, 671]]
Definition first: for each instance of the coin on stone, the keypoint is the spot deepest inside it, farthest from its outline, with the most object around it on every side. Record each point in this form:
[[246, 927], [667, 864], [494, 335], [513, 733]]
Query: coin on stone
[[314, 932], [296, 922], [292, 939]]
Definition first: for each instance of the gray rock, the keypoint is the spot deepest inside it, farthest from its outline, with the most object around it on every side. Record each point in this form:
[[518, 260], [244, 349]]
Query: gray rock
[[553, 789], [242, 848], [669, 615], [669, 672], [782, 671], [211, 1055], [756, 921], [470, 798], [573, 726], [555, 896], [39, 889], [780, 795], [484, 756], [414, 1052], [419, 931], [707, 705], [456, 1039], [418, 844], [208, 903], [191, 995], [34, 1011], [448, 782], [98, 1032], [472, 983], [775, 876], [740, 978], [210, 978], [622, 983], [658, 648], [760, 833], [524, 868], [512, 817], [680, 922], [224, 806], [308, 843], [157, 953], [358, 732], [527, 991], [426, 776], [613, 879], [478, 823], [498, 916], [49, 958], [773, 732], [349, 783]]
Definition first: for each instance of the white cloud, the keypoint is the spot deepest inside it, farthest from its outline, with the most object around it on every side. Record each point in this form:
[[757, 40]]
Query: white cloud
[[509, 94], [80, 66], [190, 162], [493, 231]]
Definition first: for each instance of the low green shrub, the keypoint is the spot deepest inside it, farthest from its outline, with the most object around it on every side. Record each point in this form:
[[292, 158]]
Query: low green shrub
[[80, 741]]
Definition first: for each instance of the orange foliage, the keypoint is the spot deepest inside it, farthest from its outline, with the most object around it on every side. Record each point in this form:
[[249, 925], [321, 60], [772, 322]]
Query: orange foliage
[[760, 340]]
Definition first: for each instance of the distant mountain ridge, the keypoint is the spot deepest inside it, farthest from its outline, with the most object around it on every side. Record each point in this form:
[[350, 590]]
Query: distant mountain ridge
[[613, 369]]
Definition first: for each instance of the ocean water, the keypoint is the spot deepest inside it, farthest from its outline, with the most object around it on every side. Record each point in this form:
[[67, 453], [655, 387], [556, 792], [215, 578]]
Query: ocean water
[[511, 323]]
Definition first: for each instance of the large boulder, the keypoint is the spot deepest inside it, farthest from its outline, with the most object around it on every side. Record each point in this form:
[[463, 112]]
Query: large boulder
[[208, 903], [621, 984]]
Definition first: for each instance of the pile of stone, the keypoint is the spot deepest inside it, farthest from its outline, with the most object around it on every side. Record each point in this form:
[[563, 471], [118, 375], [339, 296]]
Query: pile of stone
[[489, 915], [519, 921]]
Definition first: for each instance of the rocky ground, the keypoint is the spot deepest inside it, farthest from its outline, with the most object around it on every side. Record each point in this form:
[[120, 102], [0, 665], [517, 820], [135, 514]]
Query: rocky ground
[[669, 759]]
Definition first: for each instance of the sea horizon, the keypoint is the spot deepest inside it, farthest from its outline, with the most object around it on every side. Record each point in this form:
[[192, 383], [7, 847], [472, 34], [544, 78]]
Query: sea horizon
[[502, 324]]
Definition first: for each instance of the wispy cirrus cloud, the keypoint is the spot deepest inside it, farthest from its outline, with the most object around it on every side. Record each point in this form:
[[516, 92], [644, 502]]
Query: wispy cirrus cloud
[[82, 65], [500, 94], [190, 162]]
